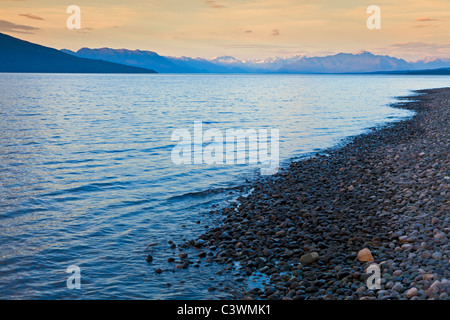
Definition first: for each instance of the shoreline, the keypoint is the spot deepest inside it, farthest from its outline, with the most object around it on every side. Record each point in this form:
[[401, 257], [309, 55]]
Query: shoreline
[[386, 191]]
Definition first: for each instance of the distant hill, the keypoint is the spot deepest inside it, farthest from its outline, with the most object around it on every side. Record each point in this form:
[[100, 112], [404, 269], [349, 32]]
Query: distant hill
[[346, 63], [362, 62], [443, 71], [152, 60], [136, 58], [200, 65], [21, 56], [437, 72]]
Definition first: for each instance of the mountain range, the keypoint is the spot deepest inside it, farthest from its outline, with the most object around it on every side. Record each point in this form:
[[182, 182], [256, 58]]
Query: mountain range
[[361, 62], [21, 56]]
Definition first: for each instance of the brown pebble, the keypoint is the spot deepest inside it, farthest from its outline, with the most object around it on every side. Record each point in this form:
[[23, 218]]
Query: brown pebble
[[365, 255]]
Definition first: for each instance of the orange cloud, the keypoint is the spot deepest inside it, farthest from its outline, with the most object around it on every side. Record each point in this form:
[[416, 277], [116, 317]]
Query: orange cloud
[[214, 4], [8, 26], [426, 19], [423, 26], [31, 16]]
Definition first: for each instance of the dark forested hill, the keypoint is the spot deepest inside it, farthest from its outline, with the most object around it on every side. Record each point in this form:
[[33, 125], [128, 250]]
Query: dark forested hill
[[21, 56]]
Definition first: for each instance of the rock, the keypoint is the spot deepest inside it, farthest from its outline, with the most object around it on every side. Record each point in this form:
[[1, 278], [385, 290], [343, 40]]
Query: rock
[[382, 293], [158, 271], [149, 258], [406, 247], [389, 285], [435, 286], [364, 276], [361, 289], [397, 273], [411, 255], [439, 237], [398, 287], [280, 233], [225, 235], [309, 258], [343, 273], [437, 256], [412, 292], [365, 255], [428, 276], [388, 297], [367, 298], [445, 282], [199, 243]]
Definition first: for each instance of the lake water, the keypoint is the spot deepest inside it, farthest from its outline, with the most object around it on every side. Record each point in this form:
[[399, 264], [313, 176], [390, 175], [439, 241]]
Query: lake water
[[86, 176]]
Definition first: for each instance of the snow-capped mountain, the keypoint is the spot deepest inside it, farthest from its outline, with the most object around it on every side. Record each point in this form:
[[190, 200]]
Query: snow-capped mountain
[[361, 62]]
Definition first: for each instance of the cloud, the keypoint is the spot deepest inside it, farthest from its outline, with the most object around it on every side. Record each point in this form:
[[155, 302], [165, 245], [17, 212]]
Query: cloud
[[214, 4], [31, 16], [418, 45], [275, 32], [419, 49], [84, 30], [423, 25], [247, 46], [253, 46], [426, 19], [18, 28], [248, 31]]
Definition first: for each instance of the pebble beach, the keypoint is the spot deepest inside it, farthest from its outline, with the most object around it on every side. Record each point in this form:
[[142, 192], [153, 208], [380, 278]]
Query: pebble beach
[[382, 199]]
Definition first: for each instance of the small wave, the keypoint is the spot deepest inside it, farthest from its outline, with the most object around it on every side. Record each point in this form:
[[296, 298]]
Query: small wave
[[203, 193], [130, 203], [92, 187], [210, 122], [165, 147], [50, 163]]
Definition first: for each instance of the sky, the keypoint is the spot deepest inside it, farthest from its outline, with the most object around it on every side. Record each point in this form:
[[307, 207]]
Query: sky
[[245, 29]]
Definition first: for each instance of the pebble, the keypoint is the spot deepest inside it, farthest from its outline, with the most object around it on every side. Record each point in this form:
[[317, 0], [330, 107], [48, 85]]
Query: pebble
[[437, 256], [309, 258], [398, 287], [406, 247], [365, 255], [412, 292]]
